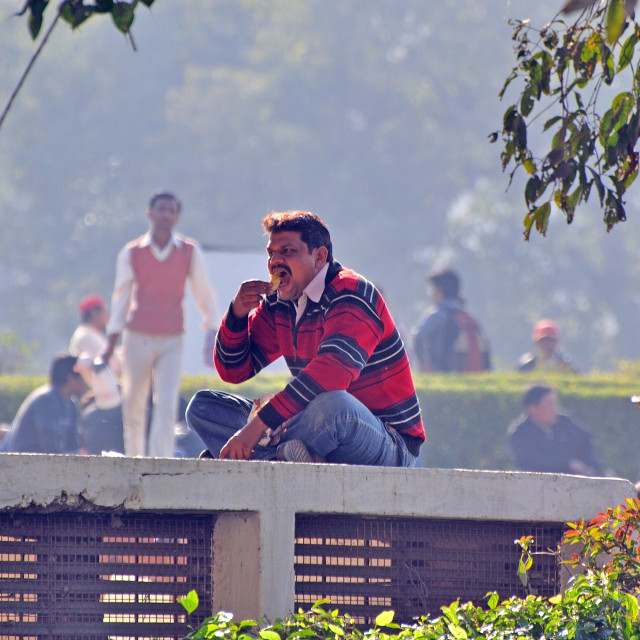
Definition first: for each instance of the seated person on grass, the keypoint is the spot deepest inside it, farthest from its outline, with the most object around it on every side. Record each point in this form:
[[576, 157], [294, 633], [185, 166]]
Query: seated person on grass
[[544, 440], [47, 421]]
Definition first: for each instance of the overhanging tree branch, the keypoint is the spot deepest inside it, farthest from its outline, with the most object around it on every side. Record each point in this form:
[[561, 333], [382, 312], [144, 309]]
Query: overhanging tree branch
[[32, 61], [74, 12], [591, 146]]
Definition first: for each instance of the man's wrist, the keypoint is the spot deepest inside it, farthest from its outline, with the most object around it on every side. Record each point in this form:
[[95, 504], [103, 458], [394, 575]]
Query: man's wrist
[[255, 425], [234, 322], [255, 429], [235, 313]]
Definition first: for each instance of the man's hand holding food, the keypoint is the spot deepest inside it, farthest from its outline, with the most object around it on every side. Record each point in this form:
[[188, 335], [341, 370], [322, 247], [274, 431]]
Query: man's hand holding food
[[241, 444]]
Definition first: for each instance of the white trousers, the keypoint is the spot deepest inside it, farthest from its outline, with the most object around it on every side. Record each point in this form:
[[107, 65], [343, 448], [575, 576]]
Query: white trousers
[[150, 363]]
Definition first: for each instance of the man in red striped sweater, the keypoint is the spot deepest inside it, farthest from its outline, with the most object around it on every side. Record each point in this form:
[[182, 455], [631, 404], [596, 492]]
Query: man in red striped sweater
[[351, 398]]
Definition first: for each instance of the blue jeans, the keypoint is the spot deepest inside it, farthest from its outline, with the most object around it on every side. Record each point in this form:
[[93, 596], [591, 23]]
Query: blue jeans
[[334, 425]]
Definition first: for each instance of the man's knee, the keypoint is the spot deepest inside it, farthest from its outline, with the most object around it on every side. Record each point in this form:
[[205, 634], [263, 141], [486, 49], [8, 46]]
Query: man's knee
[[197, 404], [332, 399], [208, 402]]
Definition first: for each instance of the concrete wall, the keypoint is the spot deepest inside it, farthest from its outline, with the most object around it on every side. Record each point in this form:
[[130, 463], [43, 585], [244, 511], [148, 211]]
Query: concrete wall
[[257, 503]]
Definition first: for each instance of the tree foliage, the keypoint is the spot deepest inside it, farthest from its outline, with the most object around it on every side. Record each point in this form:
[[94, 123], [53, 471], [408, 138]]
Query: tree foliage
[[75, 12], [585, 279], [258, 106], [570, 73], [563, 68], [373, 114]]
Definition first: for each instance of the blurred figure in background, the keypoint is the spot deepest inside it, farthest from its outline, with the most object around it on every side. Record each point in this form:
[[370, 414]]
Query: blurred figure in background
[[47, 421], [544, 440], [147, 308], [89, 340], [448, 338], [546, 357], [100, 424]]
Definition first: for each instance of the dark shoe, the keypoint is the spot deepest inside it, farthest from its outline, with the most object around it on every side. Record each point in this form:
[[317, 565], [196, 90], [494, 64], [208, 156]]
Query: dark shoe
[[206, 454]]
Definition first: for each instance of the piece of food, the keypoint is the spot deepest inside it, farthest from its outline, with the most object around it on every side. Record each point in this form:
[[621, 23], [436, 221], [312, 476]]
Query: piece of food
[[276, 279]]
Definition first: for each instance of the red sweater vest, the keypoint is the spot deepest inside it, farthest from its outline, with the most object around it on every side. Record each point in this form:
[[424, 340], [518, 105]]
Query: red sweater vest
[[156, 308]]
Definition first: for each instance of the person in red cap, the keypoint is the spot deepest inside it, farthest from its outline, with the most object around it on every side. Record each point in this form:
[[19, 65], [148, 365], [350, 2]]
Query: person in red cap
[[89, 340], [101, 427], [546, 357]]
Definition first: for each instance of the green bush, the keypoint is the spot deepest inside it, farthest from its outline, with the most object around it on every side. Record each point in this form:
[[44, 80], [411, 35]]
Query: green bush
[[466, 417], [13, 390], [599, 603]]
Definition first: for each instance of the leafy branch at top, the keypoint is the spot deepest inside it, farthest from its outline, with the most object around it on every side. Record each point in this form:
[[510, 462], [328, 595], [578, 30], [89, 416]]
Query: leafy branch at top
[[563, 70], [75, 12]]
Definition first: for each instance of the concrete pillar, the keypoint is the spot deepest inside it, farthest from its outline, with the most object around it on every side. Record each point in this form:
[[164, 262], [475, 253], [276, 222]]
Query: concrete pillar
[[253, 564]]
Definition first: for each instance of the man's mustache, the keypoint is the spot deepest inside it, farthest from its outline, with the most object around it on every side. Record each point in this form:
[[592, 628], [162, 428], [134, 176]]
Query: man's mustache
[[280, 267]]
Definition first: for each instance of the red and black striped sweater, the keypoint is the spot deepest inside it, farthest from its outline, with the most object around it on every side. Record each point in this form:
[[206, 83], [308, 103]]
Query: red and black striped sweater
[[348, 340]]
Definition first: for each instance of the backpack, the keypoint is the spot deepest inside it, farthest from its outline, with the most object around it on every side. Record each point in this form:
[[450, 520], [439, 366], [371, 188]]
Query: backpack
[[465, 349]]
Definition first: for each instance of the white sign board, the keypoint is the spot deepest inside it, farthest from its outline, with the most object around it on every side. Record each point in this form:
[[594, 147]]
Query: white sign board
[[226, 271]]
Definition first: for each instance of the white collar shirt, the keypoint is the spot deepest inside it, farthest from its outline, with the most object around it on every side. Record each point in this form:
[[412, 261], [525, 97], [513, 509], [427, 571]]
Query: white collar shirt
[[160, 253], [313, 291]]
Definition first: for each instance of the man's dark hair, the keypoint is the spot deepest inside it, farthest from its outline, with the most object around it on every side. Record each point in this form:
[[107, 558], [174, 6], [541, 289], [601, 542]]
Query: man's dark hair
[[447, 281], [311, 227], [61, 368], [164, 195], [534, 394]]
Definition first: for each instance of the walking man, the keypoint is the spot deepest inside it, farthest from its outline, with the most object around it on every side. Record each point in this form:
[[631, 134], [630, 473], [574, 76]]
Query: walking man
[[147, 308]]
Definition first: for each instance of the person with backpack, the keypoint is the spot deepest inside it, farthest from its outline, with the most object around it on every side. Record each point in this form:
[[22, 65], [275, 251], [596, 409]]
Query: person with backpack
[[448, 338]]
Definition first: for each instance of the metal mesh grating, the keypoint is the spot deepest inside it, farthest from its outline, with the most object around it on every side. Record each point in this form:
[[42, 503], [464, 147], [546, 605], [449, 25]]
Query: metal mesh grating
[[414, 566], [86, 576]]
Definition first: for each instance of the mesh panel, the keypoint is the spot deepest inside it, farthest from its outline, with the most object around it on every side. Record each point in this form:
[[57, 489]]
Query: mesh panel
[[415, 566], [73, 577]]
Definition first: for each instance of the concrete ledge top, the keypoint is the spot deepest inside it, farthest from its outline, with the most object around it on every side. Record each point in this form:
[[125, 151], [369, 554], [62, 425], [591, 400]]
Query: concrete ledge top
[[43, 481]]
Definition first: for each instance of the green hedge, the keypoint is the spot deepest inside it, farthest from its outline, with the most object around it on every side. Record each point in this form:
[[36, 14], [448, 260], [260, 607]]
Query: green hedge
[[466, 420], [466, 417]]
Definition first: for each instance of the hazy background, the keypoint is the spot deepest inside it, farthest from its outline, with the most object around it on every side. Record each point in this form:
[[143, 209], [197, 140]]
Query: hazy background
[[372, 113]]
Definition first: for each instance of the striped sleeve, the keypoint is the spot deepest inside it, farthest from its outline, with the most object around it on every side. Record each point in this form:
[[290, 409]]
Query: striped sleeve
[[245, 346]]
